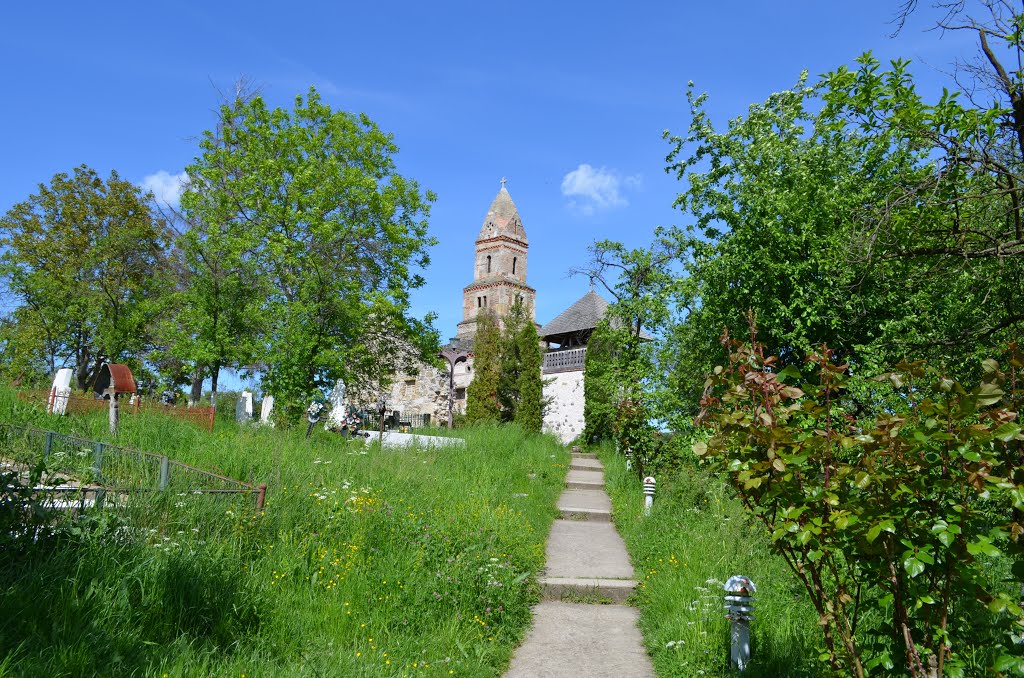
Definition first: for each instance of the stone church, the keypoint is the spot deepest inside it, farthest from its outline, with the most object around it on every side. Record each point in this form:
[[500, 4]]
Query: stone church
[[499, 280]]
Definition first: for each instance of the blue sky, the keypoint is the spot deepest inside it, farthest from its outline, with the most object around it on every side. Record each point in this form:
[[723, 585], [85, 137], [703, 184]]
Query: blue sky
[[568, 100]]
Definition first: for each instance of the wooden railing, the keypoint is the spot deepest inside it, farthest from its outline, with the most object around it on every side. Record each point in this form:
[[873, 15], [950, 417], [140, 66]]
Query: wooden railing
[[567, 360]]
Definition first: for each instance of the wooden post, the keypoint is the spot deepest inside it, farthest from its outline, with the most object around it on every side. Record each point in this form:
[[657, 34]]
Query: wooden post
[[261, 496]]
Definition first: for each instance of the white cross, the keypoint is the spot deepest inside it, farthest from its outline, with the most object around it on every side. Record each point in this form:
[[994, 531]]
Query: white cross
[[503, 182]]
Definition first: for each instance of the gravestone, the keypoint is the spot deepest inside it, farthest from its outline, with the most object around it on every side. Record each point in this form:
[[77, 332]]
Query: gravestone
[[60, 392], [337, 416], [243, 408], [266, 408]]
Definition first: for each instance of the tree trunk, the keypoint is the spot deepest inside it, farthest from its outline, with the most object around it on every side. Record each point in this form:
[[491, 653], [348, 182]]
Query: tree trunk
[[214, 375], [197, 387]]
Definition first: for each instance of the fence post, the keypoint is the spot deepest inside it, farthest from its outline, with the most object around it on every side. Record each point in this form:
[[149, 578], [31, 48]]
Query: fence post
[[97, 468], [261, 496], [48, 446], [165, 472], [213, 411]]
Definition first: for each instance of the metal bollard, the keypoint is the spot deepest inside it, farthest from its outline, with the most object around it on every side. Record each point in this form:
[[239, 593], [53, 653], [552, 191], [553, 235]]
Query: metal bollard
[[629, 460], [649, 483], [739, 606]]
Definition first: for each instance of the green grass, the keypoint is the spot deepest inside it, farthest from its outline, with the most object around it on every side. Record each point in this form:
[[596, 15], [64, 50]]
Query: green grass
[[695, 538], [366, 562]]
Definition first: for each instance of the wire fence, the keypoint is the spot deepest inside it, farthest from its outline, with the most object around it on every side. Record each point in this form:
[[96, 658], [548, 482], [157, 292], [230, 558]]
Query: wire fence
[[95, 469], [76, 403]]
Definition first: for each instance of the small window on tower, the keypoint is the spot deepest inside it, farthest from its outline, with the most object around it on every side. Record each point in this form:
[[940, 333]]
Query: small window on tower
[[513, 265], [485, 302], [479, 303], [488, 264]]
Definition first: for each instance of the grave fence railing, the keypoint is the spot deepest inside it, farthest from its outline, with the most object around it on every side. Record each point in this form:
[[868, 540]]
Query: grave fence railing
[[96, 469]]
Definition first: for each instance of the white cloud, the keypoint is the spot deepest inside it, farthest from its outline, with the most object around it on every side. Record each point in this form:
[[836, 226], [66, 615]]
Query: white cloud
[[166, 187], [590, 189]]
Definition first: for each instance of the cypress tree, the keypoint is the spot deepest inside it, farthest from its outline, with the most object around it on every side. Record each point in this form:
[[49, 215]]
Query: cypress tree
[[530, 411], [511, 361], [482, 395]]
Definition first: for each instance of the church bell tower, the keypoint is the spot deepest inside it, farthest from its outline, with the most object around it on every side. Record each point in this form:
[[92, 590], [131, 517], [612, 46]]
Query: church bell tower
[[499, 271]]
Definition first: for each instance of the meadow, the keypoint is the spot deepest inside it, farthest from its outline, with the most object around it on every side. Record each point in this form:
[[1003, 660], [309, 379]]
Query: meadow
[[365, 561]]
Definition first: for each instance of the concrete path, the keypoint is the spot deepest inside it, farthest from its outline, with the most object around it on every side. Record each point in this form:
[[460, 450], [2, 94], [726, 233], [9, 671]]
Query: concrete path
[[575, 631]]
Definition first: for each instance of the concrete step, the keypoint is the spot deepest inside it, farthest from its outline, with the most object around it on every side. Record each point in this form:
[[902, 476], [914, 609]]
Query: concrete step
[[569, 640], [584, 480], [586, 549], [584, 455], [585, 505], [575, 513], [586, 465], [556, 588]]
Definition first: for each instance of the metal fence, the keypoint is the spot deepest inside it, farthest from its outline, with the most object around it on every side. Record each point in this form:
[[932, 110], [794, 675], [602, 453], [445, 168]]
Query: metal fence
[[96, 468], [77, 403], [393, 421]]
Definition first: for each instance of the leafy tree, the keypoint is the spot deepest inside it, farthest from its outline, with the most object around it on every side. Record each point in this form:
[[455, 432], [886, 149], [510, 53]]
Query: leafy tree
[[854, 213], [600, 385], [641, 282], [337, 237], [86, 260], [482, 402], [511, 360], [219, 322]]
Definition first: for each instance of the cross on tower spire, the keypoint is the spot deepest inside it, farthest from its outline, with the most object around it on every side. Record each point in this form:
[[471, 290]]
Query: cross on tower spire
[[503, 182]]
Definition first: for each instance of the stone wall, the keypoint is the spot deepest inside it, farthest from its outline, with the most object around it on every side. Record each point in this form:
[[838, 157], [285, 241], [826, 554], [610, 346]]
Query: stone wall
[[427, 392], [564, 414]]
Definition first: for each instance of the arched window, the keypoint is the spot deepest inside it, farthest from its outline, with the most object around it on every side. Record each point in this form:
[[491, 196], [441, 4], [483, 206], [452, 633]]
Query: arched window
[[488, 263], [513, 265]]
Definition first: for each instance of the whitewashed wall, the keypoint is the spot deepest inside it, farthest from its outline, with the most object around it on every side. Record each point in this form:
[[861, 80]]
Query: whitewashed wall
[[564, 414]]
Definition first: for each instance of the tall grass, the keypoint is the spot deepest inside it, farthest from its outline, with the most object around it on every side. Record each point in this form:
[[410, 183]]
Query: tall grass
[[696, 538], [366, 562]]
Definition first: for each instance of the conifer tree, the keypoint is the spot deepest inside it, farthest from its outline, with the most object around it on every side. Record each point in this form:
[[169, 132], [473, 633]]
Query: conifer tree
[[511, 361], [530, 412], [482, 395]]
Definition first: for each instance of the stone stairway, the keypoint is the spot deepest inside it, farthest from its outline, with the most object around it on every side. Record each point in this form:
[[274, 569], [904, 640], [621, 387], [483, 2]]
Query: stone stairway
[[587, 563]]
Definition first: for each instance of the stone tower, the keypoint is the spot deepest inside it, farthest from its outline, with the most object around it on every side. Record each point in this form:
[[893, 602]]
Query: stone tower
[[499, 272]]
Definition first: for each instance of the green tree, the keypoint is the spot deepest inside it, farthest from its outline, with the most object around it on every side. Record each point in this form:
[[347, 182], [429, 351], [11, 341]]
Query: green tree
[[529, 413], [87, 261], [338, 238], [482, 403], [641, 281], [219, 322], [599, 385], [851, 212]]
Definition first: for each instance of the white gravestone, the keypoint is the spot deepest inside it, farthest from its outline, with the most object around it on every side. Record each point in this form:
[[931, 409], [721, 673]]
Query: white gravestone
[[336, 417], [266, 407], [60, 392], [243, 408]]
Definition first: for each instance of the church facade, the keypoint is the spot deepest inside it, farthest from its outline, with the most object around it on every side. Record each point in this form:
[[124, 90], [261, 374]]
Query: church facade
[[501, 254]]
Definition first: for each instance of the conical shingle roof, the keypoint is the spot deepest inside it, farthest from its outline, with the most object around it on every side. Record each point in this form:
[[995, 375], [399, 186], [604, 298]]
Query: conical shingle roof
[[503, 219]]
